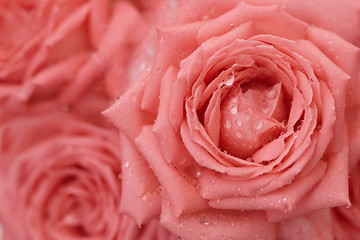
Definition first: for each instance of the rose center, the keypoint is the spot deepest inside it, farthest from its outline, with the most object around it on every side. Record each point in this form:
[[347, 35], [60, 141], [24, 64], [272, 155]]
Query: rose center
[[250, 118]]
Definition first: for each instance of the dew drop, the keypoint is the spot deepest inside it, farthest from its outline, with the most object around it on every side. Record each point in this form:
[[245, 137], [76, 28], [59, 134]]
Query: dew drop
[[198, 173], [258, 124], [204, 220], [271, 93], [229, 81], [234, 100], [233, 109], [227, 124], [247, 116], [238, 134], [266, 110], [126, 164], [238, 122], [284, 199]]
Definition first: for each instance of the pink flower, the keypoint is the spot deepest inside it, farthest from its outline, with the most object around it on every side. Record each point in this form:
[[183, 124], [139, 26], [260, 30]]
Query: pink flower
[[59, 48], [242, 119], [60, 178]]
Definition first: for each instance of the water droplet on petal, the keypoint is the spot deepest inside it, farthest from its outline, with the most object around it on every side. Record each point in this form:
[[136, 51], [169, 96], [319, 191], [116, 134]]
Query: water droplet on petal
[[247, 115], [238, 122], [227, 124], [212, 179], [229, 81], [126, 164], [258, 124], [234, 100], [238, 134], [233, 109], [271, 93], [266, 110], [204, 220]]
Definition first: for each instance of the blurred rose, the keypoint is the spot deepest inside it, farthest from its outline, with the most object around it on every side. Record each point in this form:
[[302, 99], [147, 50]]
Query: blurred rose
[[58, 47], [241, 117], [60, 178]]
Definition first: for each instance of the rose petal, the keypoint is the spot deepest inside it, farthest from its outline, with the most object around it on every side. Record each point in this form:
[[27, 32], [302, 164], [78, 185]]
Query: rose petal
[[165, 133], [184, 198], [128, 105], [330, 192], [337, 81], [98, 19], [140, 196], [260, 17], [218, 224], [169, 42], [316, 225]]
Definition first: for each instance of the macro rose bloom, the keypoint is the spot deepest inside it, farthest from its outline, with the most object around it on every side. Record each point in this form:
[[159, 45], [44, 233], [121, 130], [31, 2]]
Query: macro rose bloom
[[346, 219], [59, 48], [242, 116], [60, 178]]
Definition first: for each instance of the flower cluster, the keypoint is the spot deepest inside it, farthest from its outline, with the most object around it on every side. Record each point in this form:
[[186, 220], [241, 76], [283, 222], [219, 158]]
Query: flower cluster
[[179, 119]]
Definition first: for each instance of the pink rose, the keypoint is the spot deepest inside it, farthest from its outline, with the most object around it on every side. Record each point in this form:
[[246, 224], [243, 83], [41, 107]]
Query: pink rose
[[242, 119], [60, 48], [346, 220], [60, 178]]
